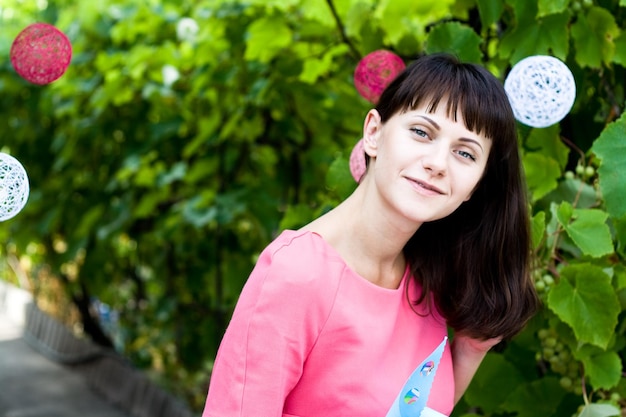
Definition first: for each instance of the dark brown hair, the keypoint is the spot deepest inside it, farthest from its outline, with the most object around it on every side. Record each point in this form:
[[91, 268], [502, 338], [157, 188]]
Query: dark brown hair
[[476, 261]]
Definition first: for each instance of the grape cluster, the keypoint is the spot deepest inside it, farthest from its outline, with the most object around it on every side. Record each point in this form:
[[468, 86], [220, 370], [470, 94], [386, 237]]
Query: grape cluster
[[543, 282], [583, 172], [560, 359], [578, 5]]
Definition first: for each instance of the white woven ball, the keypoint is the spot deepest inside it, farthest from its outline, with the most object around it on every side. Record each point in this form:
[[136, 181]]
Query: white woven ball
[[13, 187], [541, 90]]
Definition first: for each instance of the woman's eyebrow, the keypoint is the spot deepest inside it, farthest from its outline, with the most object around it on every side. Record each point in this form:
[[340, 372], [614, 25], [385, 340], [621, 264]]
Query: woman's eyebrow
[[436, 126]]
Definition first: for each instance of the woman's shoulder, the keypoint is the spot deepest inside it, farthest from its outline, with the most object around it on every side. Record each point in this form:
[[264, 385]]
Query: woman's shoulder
[[300, 256]]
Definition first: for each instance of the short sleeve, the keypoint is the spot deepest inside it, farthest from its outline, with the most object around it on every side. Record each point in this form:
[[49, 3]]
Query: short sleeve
[[280, 313]]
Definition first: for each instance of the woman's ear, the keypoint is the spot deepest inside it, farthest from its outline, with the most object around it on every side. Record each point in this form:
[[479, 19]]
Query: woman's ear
[[371, 132]]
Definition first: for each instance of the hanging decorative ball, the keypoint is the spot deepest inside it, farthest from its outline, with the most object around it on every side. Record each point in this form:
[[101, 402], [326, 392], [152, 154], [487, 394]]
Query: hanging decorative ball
[[375, 71], [541, 90], [14, 187], [41, 53], [357, 161]]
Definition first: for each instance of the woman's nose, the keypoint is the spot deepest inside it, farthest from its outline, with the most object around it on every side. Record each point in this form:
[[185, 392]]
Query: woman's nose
[[435, 160]]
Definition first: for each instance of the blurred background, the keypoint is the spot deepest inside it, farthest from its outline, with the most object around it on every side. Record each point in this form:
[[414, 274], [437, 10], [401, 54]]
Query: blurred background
[[186, 134]]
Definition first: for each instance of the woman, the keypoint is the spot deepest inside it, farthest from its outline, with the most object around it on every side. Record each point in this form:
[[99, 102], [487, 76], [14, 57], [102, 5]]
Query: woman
[[341, 317]]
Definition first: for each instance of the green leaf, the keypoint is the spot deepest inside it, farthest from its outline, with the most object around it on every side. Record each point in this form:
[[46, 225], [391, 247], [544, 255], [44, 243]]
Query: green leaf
[[456, 38], [495, 370], [604, 369], [531, 36], [585, 299], [538, 398], [267, 37], [599, 410], [538, 228], [587, 228], [490, 11], [547, 7], [296, 216], [314, 68], [542, 173], [620, 50], [574, 189], [339, 179], [399, 18], [593, 37], [610, 147], [547, 141]]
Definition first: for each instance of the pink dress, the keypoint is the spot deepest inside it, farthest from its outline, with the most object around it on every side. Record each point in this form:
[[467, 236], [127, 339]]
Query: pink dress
[[311, 338]]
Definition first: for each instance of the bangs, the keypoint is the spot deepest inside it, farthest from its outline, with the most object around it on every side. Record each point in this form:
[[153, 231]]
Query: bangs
[[465, 89]]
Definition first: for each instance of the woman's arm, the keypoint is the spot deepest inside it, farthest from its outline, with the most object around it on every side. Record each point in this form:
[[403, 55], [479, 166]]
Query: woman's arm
[[278, 317], [467, 354]]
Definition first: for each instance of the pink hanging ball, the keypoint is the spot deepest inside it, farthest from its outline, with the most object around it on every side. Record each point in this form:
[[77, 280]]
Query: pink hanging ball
[[375, 71], [41, 53], [357, 161]]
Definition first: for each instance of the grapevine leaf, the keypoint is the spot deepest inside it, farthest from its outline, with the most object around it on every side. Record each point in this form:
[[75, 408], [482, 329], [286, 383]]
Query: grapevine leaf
[[456, 38], [531, 36], [296, 216], [587, 228], [542, 173], [317, 67], [538, 398], [584, 299], [620, 50], [339, 178], [490, 11], [495, 370], [267, 36], [610, 148], [548, 142], [547, 7], [574, 189], [593, 37], [604, 369], [399, 18], [599, 410], [538, 228]]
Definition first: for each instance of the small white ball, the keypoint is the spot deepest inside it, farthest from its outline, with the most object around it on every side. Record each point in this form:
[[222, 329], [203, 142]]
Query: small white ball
[[541, 90], [14, 187]]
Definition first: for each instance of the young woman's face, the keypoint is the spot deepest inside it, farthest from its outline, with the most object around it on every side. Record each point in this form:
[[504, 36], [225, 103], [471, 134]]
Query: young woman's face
[[424, 164]]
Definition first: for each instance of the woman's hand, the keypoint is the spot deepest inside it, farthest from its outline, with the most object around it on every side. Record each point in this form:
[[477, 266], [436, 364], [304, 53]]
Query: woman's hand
[[467, 354]]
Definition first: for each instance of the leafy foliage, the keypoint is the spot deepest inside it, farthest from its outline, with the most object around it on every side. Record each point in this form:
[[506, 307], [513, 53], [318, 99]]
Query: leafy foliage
[[186, 134]]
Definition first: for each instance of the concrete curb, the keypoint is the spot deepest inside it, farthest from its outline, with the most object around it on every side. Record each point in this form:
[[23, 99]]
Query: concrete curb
[[107, 373]]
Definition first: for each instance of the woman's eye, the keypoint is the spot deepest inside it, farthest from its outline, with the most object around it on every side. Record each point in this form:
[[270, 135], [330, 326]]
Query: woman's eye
[[419, 132], [466, 155]]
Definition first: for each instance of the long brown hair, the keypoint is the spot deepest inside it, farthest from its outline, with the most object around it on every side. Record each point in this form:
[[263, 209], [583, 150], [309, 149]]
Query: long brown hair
[[476, 261]]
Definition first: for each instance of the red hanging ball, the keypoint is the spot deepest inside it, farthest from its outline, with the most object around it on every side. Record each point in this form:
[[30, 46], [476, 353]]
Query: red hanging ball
[[41, 53], [375, 71]]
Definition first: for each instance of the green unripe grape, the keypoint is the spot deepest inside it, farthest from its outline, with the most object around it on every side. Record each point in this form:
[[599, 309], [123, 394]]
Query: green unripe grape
[[587, 3], [580, 170], [578, 390], [555, 360], [559, 367], [540, 286], [550, 342], [548, 353], [573, 367], [566, 382], [569, 175], [543, 333], [589, 171], [548, 279], [615, 397]]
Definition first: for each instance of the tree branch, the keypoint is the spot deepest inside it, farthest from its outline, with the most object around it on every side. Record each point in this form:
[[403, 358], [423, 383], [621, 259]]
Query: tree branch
[[342, 30]]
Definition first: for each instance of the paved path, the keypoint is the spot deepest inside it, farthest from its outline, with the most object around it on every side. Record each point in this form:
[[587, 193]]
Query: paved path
[[32, 385]]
